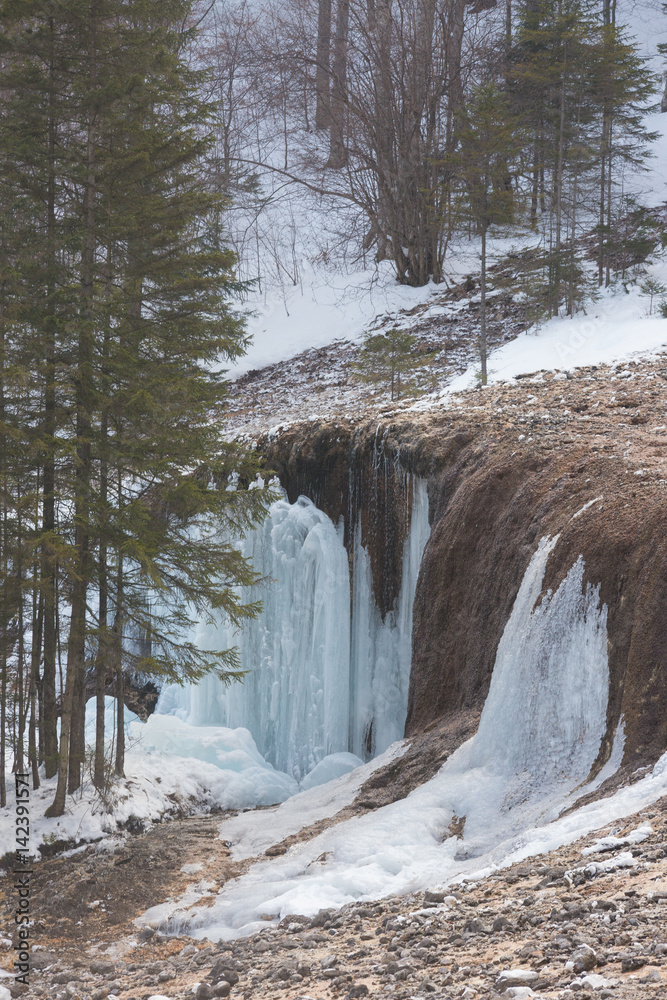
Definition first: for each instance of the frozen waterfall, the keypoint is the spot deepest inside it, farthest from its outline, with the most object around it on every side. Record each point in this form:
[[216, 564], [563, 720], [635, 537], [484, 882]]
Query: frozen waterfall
[[499, 796], [326, 674]]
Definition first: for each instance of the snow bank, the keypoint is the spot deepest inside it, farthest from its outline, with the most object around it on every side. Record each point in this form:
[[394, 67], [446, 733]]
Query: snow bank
[[325, 306], [617, 328], [171, 768]]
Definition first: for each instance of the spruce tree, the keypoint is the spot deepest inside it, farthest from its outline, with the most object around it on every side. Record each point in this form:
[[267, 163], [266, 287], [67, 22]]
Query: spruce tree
[[489, 140], [133, 318]]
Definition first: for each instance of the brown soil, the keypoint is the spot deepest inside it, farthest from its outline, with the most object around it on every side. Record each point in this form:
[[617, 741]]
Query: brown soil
[[533, 916]]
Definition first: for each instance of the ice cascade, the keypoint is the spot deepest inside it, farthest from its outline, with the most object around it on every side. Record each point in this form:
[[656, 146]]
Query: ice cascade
[[499, 796], [326, 674]]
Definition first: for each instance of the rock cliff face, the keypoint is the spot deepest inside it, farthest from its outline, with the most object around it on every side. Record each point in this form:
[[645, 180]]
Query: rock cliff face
[[582, 459]]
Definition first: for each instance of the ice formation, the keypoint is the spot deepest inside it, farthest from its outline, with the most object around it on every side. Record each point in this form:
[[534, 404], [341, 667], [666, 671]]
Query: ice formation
[[232, 750], [539, 735], [327, 676]]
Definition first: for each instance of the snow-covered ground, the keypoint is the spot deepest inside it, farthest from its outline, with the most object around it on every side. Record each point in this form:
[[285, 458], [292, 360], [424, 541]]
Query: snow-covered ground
[[616, 329], [326, 299], [172, 768]]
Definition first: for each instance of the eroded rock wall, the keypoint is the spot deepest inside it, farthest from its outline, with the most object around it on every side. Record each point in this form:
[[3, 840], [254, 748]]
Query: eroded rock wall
[[491, 500]]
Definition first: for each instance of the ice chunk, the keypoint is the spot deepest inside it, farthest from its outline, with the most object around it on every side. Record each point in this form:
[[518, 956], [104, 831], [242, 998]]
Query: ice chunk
[[333, 766], [642, 833]]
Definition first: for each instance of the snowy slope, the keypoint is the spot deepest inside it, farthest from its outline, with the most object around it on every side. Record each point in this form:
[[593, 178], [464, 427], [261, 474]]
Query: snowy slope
[[317, 297]]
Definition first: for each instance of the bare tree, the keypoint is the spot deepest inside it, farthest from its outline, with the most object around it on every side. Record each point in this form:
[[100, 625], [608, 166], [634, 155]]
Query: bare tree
[[323, 69]]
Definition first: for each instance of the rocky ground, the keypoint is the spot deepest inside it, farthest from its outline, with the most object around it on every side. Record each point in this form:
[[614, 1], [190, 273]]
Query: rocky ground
[[556, 926], [324, 380]]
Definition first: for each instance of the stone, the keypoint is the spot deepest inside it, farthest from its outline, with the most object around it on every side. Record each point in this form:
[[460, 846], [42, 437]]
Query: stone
[[221, 989], [360, 990], [501, 923], [583, 959], [651, 976], [102, 968], [203, 992], [224, 970], [519, 991], [516, 977], [630, 963], [596, 982], [42, 960]]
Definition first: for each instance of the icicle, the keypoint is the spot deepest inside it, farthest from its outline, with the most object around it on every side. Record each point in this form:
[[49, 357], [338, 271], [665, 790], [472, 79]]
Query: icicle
[[382, 650]]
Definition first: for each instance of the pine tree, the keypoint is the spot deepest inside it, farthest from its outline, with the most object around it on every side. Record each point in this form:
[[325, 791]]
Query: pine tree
[[622, 87]]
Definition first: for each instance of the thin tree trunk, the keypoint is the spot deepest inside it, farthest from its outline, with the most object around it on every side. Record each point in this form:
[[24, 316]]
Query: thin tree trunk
[[323, 69], [535, 188], [102, 659], [49, 731], [75, 648], [4, 655], [482, 307], [72, 733], [20, 698], [610, 154], [559, 194], [337, 150], [118, 665], [83, 433], [38, 626]]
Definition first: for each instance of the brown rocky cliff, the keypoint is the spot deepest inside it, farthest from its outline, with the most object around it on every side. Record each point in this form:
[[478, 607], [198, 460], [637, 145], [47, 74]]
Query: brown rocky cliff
[[505, 468]]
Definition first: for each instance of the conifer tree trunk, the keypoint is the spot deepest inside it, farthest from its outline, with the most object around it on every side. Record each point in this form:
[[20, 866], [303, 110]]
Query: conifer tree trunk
[[37, 627], [535, 172], [559, 191], [48, 730], [118, 668], [102, 659], [84, 405], [4, 652], [19, 698], [4, 585], [72, 733]]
